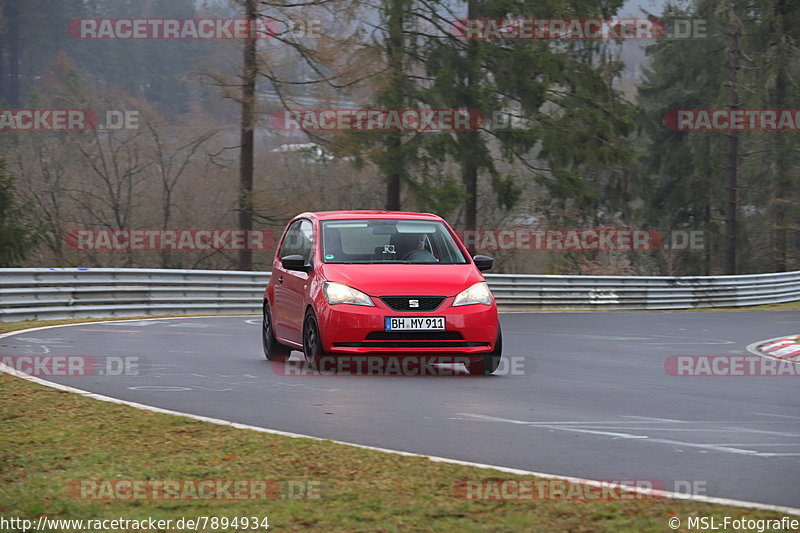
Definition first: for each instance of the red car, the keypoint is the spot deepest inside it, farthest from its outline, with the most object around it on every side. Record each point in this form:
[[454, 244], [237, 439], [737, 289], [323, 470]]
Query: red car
[[379, 282]]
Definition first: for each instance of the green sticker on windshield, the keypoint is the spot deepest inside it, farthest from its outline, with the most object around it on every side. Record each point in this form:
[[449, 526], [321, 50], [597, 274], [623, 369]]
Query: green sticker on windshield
[[329, 256]]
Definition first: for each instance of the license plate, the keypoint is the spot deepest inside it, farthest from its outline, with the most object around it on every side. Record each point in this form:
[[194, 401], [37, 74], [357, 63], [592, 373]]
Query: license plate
[[404, 323]]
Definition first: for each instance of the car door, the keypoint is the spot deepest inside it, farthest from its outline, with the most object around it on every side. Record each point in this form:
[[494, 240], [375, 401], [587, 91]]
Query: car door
[[290, 285]]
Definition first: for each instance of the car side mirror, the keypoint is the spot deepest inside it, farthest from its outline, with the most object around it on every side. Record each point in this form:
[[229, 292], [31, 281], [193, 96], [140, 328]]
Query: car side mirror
[[295, 262], [483, 262]]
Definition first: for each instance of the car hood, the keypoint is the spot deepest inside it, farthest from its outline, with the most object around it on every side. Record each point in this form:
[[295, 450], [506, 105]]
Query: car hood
[[405, 280]]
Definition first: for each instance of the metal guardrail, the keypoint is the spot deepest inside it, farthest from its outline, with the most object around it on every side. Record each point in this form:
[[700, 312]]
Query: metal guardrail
[[52, 293]]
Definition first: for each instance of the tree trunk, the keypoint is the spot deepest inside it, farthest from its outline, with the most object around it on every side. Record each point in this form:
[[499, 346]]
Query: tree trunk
[[469, 169], [781, 191], [395, 51], [247, 139], [12, 12], [731, 202], [395, 175], [469, 173], [782, 180]]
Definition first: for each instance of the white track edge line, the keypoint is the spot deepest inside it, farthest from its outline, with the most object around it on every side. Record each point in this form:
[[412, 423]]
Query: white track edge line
[[591, 482]]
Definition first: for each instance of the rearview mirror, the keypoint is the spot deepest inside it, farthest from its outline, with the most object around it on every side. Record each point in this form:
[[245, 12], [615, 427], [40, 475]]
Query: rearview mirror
[[295, 262], [483, 262]]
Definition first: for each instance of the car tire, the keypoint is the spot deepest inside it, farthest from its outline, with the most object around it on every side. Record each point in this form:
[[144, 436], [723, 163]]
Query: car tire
[[489, 362], [312, 342], [273, 350]]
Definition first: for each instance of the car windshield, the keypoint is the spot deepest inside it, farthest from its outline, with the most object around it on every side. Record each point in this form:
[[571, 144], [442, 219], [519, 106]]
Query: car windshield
[[373, 241]]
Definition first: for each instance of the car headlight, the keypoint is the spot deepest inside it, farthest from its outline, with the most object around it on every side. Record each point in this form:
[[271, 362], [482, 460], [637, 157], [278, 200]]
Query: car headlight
[[338, 293], [477, 294]]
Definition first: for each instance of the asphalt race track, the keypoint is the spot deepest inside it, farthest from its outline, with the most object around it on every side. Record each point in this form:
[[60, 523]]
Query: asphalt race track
[[593, 399]]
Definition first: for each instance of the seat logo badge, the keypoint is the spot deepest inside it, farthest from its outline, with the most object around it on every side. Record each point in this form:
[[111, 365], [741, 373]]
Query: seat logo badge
[[413, 303]]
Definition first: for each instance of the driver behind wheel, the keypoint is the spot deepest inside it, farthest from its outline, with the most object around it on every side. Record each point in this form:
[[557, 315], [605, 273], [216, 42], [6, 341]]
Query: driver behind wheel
[[419, 254]]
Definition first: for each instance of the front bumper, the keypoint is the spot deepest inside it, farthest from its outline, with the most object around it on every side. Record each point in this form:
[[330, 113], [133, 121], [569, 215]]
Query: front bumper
[[356, 329]]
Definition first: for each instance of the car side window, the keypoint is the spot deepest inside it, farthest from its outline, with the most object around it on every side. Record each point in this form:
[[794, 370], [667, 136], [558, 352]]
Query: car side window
[[289, 243], [298, 240], [306, 239]]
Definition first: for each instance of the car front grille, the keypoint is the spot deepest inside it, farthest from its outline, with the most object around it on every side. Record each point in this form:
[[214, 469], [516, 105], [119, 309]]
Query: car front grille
[[412, 339], [411, 344], [414, 336], [406, 303]]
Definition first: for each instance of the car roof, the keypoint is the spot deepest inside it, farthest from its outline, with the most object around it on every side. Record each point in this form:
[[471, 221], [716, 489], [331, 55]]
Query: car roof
[[339, 215]]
